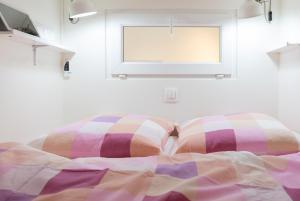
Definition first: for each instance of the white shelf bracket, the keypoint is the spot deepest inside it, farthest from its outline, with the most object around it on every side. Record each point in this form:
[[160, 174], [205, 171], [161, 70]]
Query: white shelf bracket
[[34, 49]]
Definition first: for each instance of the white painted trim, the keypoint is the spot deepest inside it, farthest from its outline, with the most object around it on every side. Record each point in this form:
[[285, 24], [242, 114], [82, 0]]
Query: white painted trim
[[116, 19]]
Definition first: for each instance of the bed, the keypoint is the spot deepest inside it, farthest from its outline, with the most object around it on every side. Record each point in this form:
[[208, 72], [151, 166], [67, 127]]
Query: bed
[[28, 173]]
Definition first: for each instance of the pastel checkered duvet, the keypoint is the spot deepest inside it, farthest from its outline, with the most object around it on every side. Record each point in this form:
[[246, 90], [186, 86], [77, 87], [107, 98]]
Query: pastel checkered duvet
[[28, 174]]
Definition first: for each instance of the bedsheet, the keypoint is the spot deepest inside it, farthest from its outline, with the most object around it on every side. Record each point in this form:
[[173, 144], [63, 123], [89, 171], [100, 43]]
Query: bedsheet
[[28, 174]]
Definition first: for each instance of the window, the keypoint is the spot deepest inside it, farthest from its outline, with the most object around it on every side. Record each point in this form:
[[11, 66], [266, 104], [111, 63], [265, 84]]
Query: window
[[201, 43], [171, 44]]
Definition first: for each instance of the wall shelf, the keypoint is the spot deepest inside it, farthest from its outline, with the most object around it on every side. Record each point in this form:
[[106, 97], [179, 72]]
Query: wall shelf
[[287, 48], [37, 42]]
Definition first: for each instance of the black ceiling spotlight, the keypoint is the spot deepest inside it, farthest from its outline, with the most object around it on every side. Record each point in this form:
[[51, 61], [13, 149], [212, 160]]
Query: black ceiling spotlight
[[81, 8], [253, 8]]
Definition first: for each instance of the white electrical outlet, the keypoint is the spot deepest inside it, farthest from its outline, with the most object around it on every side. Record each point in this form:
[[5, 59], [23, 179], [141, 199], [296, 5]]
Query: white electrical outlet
[[171, 95]]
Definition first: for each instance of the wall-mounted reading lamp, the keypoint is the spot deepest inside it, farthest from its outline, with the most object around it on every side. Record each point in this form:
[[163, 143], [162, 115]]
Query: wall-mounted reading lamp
[[81, 8], [253, 8]]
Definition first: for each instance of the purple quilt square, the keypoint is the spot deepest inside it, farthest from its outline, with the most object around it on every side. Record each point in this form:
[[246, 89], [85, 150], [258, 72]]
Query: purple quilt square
[[6, 195], [293, 193], [182, 171], [171, 196], [116, 145], [68, 179], [107, 119], [221, 140]]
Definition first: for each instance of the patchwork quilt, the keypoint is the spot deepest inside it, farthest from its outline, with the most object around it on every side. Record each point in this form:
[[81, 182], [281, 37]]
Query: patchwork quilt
[[28, 174]]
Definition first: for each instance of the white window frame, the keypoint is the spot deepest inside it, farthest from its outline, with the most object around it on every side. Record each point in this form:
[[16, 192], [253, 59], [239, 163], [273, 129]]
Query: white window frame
[[117, 19]]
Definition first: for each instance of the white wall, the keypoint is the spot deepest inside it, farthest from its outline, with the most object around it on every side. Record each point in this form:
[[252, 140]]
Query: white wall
[[33, 100], [31, 97], [89, 92], [289, 74]]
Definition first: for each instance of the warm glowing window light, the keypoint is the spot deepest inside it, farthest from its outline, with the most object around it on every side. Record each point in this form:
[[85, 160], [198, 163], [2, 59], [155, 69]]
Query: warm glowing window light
[[178, 44]]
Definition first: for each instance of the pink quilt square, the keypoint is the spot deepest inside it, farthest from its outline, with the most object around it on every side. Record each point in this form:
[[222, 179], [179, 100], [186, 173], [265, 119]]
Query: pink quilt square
[[68, 179], [289, 178], [293, 193], [116, 145], [87, 145], [5, 168], [252, 140], [171, 196], [221, 140]]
